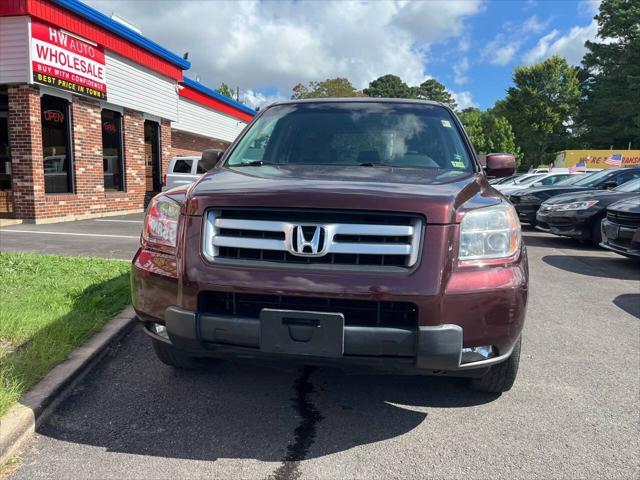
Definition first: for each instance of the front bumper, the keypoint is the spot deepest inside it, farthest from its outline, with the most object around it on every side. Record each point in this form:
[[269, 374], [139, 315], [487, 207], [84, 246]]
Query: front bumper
[[567, 224], [527, 212], [626, 242], [425, 350]]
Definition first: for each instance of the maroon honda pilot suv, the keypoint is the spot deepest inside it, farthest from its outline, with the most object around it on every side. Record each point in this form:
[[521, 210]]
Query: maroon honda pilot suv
[[358, 233]]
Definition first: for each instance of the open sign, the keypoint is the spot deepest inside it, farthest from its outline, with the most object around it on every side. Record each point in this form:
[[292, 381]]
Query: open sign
[[54, 116], [109, 127]]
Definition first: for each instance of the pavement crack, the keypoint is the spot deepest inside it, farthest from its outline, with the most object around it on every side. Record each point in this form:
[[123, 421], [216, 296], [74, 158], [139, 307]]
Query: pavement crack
[[305, 432]]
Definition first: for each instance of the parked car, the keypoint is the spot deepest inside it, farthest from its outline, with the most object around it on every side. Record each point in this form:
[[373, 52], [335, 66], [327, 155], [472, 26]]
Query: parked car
[[185, 170], [499, 180], [621, 228], [525, 179], [350, 232], [579, 215], [547, 179], [527, 202]]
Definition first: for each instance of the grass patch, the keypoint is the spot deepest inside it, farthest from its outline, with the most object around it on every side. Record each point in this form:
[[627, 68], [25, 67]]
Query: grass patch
[[50, 305]]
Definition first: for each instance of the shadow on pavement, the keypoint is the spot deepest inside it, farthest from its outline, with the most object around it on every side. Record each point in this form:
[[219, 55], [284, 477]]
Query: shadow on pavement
[[134, 404], [548, 240], [606, 267], [629, 302]]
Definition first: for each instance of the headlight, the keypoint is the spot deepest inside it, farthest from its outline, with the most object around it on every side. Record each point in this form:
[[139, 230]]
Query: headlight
[[161, 222], [489, 233], [575, 205]]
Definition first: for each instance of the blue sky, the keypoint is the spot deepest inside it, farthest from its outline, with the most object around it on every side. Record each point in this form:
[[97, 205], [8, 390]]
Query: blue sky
[[267, 47], [502, 36]]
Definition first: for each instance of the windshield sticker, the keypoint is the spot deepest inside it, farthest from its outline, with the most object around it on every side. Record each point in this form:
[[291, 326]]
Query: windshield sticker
[[457, 161], [445, 123]]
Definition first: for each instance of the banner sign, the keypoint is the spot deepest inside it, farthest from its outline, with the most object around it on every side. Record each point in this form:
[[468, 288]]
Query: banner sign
[[62, 60]]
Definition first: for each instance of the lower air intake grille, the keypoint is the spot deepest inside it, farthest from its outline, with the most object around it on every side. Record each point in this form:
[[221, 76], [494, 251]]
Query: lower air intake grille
[[363, 313]]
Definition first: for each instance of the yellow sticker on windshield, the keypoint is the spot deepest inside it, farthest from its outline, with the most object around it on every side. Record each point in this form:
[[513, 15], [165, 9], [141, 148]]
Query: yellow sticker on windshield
[[457, 164], [445, 123]]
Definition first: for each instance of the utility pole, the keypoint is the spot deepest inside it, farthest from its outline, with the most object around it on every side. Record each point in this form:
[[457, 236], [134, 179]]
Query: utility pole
[[237, 94]]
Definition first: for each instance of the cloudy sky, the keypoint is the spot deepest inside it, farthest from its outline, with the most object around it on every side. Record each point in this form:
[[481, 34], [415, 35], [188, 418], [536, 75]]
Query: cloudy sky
[[266, 47]]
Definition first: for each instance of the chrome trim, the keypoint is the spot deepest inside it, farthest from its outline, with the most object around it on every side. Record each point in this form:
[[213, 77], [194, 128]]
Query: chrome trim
[[212, 240], [488, 362]]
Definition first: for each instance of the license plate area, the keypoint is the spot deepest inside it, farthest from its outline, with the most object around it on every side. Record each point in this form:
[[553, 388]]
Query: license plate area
[[612, 231], [294, 332]]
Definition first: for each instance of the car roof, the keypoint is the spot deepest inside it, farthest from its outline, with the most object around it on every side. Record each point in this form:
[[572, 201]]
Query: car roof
[[359, 100], [187, 157]]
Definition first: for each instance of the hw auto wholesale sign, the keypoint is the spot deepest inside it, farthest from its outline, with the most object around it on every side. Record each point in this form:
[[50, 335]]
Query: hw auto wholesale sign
[[60, 59]]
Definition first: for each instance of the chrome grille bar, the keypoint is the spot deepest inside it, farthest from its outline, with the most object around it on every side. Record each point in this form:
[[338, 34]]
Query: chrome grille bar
[[249, 238]]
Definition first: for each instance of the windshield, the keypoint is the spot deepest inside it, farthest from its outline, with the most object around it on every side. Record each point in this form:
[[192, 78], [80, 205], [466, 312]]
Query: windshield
[[553, 179], [529, 180], [595, 179], [573, 179], [354, 134], [630, 186]]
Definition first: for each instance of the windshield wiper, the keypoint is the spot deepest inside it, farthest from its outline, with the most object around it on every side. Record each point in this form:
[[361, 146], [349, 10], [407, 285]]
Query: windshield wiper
[[255, 163], [375, 164]]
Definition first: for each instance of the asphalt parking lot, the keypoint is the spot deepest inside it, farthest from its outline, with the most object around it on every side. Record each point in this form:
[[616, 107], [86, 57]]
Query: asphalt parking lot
[[110, 237], [572, 413]]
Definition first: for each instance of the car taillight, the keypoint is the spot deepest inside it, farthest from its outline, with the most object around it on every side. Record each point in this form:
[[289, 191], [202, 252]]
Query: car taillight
[[161, 222], [164, 180]]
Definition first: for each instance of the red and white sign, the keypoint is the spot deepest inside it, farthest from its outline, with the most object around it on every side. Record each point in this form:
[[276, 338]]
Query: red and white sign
[[62, 60]]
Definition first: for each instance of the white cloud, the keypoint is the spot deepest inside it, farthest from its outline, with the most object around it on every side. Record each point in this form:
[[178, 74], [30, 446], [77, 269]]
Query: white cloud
[[504, 47], [256, 99], [464, 99], [258, 45], [570, 46], [460, 71]]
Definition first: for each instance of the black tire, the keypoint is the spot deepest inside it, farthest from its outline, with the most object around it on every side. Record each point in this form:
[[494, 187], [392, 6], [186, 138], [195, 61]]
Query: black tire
[[500, 377], [169, 355], [596, 232]]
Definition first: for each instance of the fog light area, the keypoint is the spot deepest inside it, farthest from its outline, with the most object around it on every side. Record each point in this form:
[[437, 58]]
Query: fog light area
[[159, 329], [477, 354]]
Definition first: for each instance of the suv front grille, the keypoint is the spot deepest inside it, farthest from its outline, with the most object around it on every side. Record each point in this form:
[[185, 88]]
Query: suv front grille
[[312, 237], [625, 219], [364, 313]]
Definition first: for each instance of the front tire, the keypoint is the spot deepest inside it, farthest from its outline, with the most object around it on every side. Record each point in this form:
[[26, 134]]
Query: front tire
[[500, 377], [170, 355]]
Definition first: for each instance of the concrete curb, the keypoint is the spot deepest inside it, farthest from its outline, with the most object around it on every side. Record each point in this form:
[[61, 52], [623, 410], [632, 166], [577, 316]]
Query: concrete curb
[[21, 421]]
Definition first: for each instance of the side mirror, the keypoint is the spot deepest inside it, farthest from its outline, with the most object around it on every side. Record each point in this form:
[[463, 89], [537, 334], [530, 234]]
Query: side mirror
[[500, 164], [609, 184], [212, 156]]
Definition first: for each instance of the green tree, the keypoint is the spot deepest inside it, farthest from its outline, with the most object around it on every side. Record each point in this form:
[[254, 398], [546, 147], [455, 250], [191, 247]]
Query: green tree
[[433, 90], [388, 86], [489, 133], [226, 90], [611, 78], [472, 119], [329, 88], [542, 107], [500, 137]]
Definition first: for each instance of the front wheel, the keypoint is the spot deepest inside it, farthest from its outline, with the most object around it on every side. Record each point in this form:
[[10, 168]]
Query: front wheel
[[170, 355], [596, 232], [500, 377]]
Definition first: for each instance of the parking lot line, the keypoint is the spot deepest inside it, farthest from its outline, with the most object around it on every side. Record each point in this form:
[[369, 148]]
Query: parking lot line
[[69, 233], [121, 221]]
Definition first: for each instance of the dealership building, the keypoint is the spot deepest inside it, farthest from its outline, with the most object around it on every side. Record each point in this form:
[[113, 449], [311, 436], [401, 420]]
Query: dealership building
[[91, 112]]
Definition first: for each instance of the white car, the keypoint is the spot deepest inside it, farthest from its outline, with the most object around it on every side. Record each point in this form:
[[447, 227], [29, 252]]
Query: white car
[[546, 179], [185, 170]]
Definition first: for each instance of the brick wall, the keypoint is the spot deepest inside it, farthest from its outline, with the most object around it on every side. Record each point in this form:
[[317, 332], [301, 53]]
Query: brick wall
[[165, 145], [189, 144], [25, 147], [89, 197]]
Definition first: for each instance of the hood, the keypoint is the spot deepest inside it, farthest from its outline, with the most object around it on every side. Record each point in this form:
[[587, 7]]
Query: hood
[[630, 205], [547, 192], [437, 194], [604, 197]]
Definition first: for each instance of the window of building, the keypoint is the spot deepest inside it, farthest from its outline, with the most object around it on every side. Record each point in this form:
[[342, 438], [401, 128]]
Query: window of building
[[56, 145], [112, 158]]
